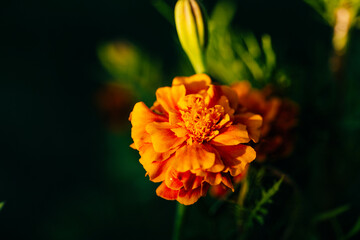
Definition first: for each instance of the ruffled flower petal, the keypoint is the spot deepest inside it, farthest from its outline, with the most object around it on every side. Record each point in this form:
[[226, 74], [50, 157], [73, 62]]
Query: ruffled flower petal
[[155, 163], [193, 84], [157, 170], [213, 178], [168, 97], [226, 180], [253, 123], [192, 182], [231, 96], [233, 135], [162, 137], [219, 165], [194, 156], [166, 192], [188, 197], [140, 117], [234, 156], [172, 179]]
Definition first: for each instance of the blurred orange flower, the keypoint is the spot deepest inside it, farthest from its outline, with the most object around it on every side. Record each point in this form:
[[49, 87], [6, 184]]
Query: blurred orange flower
[[114, 102], [279, 119], [193, 137]]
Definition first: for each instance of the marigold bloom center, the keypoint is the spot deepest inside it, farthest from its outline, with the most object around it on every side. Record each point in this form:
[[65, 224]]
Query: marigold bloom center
[[200, 121]]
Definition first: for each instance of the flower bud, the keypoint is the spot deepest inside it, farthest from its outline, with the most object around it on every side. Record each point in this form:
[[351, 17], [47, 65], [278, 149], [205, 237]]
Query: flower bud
[[192, 31]]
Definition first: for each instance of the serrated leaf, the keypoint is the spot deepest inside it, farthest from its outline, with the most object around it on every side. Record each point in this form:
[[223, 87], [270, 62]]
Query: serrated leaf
[[260, 219], [259, 210], [263, 211]]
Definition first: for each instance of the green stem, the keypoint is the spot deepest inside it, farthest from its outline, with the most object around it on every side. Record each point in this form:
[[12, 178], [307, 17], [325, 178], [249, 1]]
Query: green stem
[[243, 191], [180, 212]]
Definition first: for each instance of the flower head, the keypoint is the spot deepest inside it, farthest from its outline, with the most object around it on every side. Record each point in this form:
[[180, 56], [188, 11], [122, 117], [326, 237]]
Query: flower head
[[279, 119], [193, 137]]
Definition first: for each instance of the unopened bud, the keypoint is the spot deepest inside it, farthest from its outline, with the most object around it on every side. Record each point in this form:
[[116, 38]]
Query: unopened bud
[[192, 31]]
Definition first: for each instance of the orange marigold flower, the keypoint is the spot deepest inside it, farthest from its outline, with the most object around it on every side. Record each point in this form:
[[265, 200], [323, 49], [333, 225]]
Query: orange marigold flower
[[193, 137], [279, 119]]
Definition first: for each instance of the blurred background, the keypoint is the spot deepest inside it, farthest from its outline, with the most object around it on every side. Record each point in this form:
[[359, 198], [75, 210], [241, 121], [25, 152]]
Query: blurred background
[[71, 72]]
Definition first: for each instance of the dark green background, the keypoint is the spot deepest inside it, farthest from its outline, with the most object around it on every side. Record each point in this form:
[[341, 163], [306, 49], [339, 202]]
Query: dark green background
[[64, 175]]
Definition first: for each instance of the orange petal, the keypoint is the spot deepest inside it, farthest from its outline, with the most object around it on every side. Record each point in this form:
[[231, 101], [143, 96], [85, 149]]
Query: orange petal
[[180, 132], [204, 188], [166, 193], [231, 96], [253, 123], [226, 180], [162, 137], [140, 117], [175, 118], [168, 97], [172, 180], [195, 156], [190, 180], [218, 165], [188, 197], [242, 175], [242, 88], [232, 135], [148, 154], [272, 109], [235, 155], [213, 178], [239, 169], [223, 101], [157, 170], [155, 164], [213, 96], [225, 121], [157, 108], [194, 83]]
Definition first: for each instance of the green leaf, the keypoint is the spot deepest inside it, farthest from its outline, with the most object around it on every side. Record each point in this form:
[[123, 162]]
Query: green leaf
[[263, 211], [252, 45], [258, 211], [249, 61], [223, 14], [1, 205], [330, 214], [260, 219], [270, 56], [165, 10], [354, 230]]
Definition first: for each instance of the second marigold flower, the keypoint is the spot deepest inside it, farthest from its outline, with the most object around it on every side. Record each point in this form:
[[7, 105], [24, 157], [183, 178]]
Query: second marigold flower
[[193, 137]]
